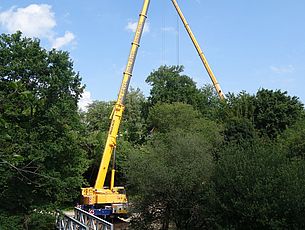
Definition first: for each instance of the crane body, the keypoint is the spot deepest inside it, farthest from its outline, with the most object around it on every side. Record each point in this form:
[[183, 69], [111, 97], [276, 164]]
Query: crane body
[[113, 200], [110, 200]]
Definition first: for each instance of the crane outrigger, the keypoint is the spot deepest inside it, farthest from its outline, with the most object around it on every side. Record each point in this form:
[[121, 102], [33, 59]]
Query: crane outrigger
[[102, 200]]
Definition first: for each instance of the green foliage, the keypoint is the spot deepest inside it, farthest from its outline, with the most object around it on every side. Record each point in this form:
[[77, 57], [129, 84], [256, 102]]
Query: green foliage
[[292, 140], [97, 116], [166, 117], [37, 220], [168, 86], [133, 126], [258, 187], [41, 156], [275, 111], [240, 106], [40, 221], [170, 173], [251, 184], [208, 102], [270, 112], [97, 121], [239, 130], [8, 222]]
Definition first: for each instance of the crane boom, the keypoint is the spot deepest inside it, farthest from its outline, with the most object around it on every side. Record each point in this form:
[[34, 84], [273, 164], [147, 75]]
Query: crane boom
[[102, 200], [119, 106], [200, 52]]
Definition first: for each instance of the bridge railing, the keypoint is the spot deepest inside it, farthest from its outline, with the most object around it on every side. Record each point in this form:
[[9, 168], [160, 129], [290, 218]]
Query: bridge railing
[[65, 222], [92, 221]]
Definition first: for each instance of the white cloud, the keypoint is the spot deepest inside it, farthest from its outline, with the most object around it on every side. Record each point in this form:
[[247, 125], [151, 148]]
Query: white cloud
[[35, 20], [282, 69], [64, 40], [132, 26], [85, 101]]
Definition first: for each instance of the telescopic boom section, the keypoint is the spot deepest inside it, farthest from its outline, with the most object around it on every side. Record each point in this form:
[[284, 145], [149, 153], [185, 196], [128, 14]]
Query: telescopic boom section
[[119, 106], [200, 52]]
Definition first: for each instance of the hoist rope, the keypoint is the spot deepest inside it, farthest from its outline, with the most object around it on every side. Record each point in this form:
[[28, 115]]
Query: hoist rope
[[178, 40], [163, 35]]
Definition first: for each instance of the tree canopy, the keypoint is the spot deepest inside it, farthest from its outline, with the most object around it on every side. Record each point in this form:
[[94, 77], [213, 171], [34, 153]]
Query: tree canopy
[[169, 85], [171, 171], [42, 161]]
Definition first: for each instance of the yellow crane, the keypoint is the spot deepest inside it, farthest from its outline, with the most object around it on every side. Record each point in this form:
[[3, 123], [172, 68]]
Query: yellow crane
[[110, 200]]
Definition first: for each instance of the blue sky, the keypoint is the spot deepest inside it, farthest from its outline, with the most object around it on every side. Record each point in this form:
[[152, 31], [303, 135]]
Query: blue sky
[[249, 44]]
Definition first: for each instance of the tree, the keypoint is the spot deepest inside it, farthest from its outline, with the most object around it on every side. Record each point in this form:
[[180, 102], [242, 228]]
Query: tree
[[132, 131], [258, 187], [165, 117], [239, 130], [41, 156], [292, 140], [209, 103], [241, 105], [96, 124], [275, 111], [133, 126], [268, 113], [171, 172], [169, 85], [97, 116]]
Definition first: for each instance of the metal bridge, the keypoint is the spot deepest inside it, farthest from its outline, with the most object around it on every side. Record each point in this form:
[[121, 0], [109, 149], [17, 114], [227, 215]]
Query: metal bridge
[[81, 220]]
